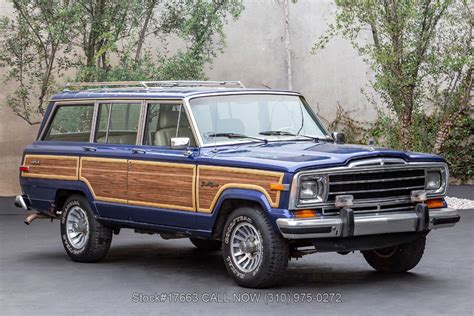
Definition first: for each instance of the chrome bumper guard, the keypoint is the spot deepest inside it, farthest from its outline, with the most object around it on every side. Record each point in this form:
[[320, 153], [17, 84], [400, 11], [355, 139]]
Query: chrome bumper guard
[[349, 224]]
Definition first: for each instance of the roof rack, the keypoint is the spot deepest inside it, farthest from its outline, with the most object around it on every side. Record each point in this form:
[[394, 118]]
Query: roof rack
[[155, 84]]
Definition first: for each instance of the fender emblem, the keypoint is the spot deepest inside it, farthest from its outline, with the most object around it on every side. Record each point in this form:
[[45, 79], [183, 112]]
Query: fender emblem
[[209, 184], [35, 162]]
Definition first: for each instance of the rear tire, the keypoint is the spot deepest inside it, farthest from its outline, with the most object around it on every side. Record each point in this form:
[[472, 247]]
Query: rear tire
[[396, 259], [255, 255], [83, 237], [206, 244]]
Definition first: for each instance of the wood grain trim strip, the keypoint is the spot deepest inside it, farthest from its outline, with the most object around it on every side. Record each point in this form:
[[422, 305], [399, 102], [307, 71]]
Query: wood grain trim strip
[[239, 185], [244, 170], [83, 179], [174, 165], [165, 206], [165, 164], [51, 176]]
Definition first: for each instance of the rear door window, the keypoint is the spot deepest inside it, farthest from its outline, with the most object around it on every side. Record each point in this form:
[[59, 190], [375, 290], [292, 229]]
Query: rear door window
[[118, 123], [71, 123]]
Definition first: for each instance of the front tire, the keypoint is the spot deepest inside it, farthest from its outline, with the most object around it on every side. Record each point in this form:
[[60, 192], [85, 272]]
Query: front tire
[[396, 259], [83, 237], [255, 255]]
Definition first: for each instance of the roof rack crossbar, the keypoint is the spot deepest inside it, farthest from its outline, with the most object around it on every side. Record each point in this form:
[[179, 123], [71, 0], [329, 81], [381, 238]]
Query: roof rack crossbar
[[155, 84]]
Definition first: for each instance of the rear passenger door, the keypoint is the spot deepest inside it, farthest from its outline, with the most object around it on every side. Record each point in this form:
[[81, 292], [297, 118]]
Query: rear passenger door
[[104, 165], [161, 180]]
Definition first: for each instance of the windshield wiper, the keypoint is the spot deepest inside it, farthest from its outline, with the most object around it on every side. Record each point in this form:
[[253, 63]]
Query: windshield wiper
[[284, 133], [234, 135]]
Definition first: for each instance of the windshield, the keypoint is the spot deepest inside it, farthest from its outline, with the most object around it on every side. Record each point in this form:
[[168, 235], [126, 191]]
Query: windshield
[[268, 116]]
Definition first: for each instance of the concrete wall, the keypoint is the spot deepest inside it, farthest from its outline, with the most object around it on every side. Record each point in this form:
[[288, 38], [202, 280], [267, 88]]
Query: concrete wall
[[256, 55]]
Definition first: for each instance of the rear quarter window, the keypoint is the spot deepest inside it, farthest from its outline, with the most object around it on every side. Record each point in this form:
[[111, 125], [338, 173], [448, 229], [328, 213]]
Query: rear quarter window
[[71, 123]]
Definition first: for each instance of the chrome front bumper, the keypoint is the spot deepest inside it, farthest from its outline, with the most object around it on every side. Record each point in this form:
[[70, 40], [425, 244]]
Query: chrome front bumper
[[365, 224]]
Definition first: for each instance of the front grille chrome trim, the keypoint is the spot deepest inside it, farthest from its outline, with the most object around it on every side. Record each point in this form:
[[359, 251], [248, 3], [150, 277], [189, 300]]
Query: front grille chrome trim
[[367, 169], [420, 187], [380, 180]]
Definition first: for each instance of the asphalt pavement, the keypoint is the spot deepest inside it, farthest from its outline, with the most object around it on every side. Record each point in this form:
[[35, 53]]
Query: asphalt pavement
[[37, 277]]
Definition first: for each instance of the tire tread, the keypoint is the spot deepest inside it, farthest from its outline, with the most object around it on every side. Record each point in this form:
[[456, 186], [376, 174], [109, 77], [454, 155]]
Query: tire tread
[[406, 257]]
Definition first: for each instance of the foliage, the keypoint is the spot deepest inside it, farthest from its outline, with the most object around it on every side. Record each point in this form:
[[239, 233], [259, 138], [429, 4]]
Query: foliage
[[35, 47], [457, 150], [420, 53], [47, 41], [355, 130]]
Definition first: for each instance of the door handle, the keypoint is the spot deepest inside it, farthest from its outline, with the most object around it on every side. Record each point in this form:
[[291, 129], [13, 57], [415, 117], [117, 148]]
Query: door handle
[[138, 151], [89, 148]]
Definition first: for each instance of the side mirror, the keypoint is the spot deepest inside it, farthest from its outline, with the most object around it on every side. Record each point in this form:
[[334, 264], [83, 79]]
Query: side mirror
[[339, 138], [179, 142]]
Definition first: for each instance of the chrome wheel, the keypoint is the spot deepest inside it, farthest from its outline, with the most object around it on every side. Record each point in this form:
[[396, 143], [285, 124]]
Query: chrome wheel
[[246, 247], [77, 226]]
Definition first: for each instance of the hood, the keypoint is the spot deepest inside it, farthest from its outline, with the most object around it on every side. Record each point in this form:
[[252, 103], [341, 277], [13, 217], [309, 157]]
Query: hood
[[299, 155]]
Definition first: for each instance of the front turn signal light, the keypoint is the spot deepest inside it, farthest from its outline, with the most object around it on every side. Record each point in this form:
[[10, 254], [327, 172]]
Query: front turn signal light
[[277, 187], [305, 213], [435, 203]]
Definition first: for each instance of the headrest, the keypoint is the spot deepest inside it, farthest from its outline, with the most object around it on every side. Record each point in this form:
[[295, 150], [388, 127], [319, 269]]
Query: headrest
[[168, 119]]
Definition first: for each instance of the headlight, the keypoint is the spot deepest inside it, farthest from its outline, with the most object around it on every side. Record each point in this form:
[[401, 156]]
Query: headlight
[[436, 180], [433, 180], [312, 189]]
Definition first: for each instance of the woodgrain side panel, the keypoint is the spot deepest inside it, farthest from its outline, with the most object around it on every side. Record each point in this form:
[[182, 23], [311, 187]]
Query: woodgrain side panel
[[164, 185], [51, 167], [107, 178], [212, 181]]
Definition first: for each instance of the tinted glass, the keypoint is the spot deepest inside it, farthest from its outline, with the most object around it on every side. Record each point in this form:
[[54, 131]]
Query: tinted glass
[[118, 123], [71, 123]]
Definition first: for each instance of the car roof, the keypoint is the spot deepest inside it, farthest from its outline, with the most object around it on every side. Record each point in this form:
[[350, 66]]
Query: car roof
[[156, 93]]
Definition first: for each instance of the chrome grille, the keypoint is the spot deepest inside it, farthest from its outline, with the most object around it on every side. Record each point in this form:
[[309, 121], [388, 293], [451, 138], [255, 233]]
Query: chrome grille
[[377, 184], [393, 186], [380, 184]]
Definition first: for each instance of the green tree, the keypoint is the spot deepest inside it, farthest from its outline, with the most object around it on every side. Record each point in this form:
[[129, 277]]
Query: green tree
[[97, 40], [421, 55], [35, 47]]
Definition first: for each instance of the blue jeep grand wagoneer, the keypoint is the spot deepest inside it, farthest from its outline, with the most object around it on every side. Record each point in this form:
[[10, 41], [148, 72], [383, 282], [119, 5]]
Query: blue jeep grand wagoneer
[[253, 172]]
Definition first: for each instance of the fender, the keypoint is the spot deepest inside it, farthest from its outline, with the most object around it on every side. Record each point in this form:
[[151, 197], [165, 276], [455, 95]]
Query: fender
[[43, 192], [243, 194], [204, 221]]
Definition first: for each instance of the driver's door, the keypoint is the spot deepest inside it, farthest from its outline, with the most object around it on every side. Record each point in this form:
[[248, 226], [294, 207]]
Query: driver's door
[[161, 179]]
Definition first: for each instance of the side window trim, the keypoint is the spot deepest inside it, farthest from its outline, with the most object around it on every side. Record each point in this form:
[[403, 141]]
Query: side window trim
[[54, 110], [94, 121], [192, 122], [141, 123], [109, 118]]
